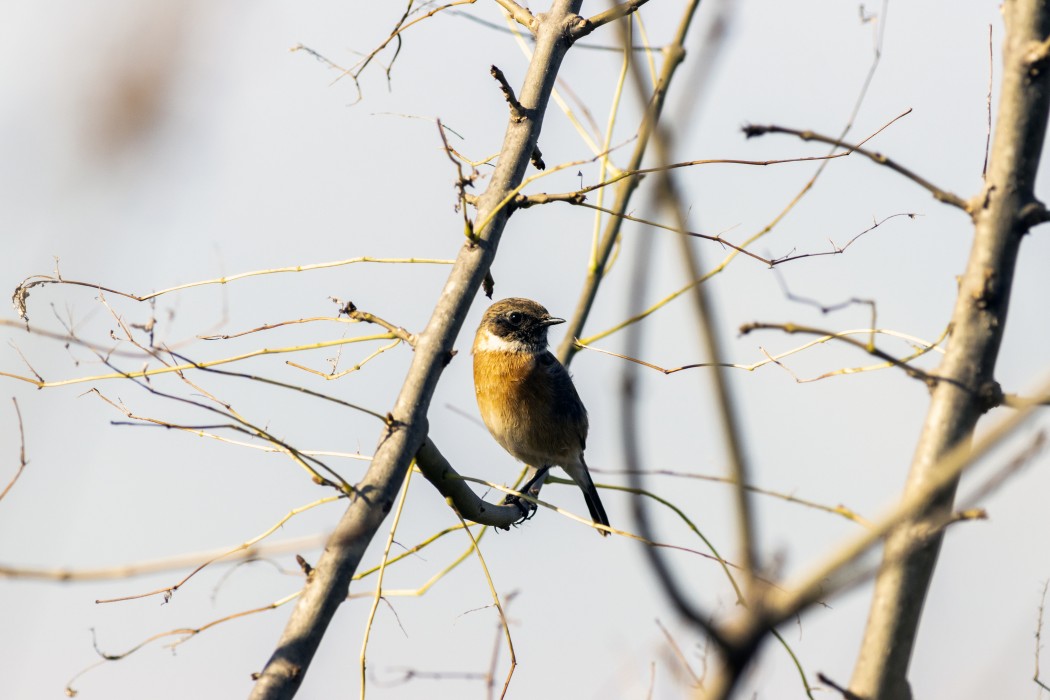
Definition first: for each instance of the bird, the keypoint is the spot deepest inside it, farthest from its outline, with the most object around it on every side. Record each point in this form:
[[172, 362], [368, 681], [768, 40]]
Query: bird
[[527, 399]]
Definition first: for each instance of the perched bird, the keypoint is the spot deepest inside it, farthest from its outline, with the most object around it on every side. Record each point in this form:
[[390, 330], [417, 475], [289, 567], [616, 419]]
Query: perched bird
[[527, 399]]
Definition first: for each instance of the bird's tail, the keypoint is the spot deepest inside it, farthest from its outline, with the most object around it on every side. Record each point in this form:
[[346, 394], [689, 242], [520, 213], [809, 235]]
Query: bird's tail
[[582, 477]]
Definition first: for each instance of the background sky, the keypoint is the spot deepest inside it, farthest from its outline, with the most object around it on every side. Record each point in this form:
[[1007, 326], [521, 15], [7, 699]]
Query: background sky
[[151, 145]]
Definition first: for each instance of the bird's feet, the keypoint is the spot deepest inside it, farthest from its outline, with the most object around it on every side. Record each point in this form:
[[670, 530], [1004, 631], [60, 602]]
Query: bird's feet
[[527, 508]]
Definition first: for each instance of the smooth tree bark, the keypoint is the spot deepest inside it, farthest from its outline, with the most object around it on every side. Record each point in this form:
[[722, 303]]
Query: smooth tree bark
[[1002, 214]]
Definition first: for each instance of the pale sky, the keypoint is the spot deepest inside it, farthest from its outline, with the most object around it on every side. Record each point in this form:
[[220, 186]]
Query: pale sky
[[148, 146]]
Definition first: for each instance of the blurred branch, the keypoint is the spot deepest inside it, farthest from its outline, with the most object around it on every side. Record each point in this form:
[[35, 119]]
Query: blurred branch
[[674, 54], [670, 585], [834, 572], [154, 566]]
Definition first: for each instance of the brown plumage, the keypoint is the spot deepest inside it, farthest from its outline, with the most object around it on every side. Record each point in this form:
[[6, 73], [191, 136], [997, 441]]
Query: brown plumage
[[527, 399]]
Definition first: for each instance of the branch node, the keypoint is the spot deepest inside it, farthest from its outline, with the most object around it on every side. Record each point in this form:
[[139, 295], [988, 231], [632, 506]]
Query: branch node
[[990, 395], [304, 565], [350, 310], [537, 159], [1032, 214]]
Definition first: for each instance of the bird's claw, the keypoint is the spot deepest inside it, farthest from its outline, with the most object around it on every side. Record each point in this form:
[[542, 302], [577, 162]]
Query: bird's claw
[[527, 508]]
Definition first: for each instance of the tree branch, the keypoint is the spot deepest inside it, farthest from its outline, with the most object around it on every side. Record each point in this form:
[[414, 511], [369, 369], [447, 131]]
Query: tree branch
[[752, 130], [611, 15], [977, 330], [673, 57], [327, 587], [447, 481], [519, 14]]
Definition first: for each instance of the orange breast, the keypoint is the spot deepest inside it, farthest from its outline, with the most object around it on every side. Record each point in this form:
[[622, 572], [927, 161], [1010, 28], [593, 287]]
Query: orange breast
[[532, 412]]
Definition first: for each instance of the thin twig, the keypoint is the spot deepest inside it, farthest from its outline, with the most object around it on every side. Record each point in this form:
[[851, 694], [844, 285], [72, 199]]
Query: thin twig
[[21, 452], [207, 364], [521, 15], [353, 313], [23, 289], [912, 371], [1039, 637], [379, 579], [497, 603], [517, 112], [154, 566], [988, 133], [462, 181], [248, 545], [843, 691], [938, 193], [184, 634], [614, 13]]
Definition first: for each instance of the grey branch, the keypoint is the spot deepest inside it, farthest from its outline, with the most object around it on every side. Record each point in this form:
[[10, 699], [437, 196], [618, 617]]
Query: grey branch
[[978, 321], [447, 481], [407, 422]]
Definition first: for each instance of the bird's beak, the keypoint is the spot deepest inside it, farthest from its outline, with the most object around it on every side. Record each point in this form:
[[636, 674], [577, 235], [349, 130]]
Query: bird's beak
[[551, 321]]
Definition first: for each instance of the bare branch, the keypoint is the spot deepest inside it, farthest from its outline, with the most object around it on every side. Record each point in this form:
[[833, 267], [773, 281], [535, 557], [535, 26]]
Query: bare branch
[[407, 427], [614, 13], [673, 57], [939, 194], [1039, 638], [448, 482], [521, 15], [21, 292], [517, 112], [914, 372], [978, 320], [355, 314], [154, 566], [21, 452]]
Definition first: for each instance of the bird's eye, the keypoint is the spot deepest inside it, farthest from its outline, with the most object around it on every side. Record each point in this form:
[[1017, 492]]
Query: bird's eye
[[515, 318]]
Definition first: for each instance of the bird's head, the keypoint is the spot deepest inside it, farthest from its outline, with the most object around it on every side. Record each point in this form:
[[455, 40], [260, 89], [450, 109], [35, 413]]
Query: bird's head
[[514, 325]]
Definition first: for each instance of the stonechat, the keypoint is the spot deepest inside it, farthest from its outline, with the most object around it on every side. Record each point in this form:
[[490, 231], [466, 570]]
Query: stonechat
[[528, 401]]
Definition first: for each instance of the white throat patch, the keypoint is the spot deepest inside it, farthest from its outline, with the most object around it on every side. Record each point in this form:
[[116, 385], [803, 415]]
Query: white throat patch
[[487, 341]]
